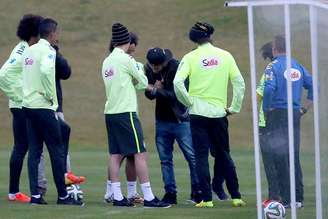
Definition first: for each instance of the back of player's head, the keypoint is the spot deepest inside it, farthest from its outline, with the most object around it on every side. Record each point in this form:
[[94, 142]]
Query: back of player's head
[[134, 39], [266, 51], [28, 27], [47, 27], [279, 43], [201, 32]]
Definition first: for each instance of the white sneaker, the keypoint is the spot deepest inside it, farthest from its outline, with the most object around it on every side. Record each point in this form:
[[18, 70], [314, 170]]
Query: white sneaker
[[109, 198], [299, 205]]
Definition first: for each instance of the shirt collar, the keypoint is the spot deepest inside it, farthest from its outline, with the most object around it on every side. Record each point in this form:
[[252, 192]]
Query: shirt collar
[[205, 45], [45, 42], [116, 49]]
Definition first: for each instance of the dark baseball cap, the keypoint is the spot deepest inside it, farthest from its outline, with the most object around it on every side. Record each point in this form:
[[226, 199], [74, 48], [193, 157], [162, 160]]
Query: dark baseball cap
[[157, 56]]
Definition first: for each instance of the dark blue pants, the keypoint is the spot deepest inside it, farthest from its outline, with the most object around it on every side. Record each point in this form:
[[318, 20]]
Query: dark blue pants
[[19, 150], [277, 125], [43, 127], [65, 130], [166, 134], [211, 135]]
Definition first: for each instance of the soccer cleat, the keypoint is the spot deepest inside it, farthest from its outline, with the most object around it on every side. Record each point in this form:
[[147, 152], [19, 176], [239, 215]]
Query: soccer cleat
[[123, 203], [136, 199], [266, 202], [238, 203], [196, 197], [38, 201], [108, 198], [69, 201], [70, 178], [222, 196], [170, 198], [202, 204], [19, 197], [156, 203]]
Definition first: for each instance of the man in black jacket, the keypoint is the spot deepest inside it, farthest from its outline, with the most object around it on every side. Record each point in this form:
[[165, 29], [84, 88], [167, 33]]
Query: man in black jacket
[[172, 121]]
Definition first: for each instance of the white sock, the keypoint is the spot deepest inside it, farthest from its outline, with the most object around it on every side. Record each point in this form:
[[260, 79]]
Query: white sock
[[62, 198], [116, 188], [11, 195], [131, 188], [146, 190], [109, 191]]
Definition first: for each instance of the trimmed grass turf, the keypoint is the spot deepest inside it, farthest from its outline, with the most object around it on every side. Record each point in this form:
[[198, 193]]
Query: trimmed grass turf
[[91, 162]]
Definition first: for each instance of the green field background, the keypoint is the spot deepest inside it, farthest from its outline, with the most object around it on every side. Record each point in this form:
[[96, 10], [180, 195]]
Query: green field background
[[85, 27]]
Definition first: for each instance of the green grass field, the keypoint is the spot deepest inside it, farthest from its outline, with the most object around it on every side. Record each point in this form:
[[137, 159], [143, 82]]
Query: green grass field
[[85, 32], [92, 163]]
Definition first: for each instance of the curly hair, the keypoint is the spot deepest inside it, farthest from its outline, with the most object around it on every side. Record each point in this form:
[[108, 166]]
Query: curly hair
[[28, 27]]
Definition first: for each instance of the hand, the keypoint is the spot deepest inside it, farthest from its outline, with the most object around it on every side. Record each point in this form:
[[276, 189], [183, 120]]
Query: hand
[[228, 112], [150, 87], [158, 84]]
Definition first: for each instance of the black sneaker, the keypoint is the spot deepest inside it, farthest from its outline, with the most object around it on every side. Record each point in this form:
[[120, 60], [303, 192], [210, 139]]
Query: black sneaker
[[156, 203], [42, 190], [222, 196], [69, 201], [38, 201], [123, 203], [170, 198], [196, 197]]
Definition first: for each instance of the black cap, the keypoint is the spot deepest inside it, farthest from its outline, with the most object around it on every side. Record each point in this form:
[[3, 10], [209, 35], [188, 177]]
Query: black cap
[[120, 35], [157, 56], [200, 31]]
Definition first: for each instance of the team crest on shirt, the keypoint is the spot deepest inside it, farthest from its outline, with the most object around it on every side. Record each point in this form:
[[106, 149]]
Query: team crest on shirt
[[210, 62], [294, 75], [109, 73]]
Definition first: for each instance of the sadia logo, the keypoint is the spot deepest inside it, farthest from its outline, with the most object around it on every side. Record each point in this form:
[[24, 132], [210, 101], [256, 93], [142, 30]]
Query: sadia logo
[[109, 73], [210, 62], [28, 61], [295, 74]]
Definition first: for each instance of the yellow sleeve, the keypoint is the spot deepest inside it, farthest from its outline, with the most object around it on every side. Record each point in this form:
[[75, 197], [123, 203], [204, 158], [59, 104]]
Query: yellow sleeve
[[179, 85]]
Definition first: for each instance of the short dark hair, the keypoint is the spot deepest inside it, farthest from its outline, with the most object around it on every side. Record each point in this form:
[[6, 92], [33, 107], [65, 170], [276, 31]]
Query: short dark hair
[[266, 51], [28, 27], [134, 39], [280, 43], [47, 26]]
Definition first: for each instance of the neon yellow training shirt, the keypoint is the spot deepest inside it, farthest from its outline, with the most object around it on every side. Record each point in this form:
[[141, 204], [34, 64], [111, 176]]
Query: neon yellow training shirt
[[209, 69], [122, 75], [11, 76], [259, 91], [39, 77]]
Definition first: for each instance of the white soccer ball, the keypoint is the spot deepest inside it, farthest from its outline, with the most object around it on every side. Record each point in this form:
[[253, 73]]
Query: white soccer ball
[[274, 210], [75, 192]]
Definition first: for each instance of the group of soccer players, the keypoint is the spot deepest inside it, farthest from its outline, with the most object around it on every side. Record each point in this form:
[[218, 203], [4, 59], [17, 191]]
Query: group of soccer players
[[191, 108]]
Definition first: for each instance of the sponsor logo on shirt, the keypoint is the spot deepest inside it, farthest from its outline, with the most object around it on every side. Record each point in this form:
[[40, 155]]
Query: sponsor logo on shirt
[[21, 50], [210, 62], [109, 73], [29, 61], [295, 74]]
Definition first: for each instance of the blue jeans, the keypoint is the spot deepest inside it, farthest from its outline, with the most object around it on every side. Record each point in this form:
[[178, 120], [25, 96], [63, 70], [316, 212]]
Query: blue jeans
[[166, 133]]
